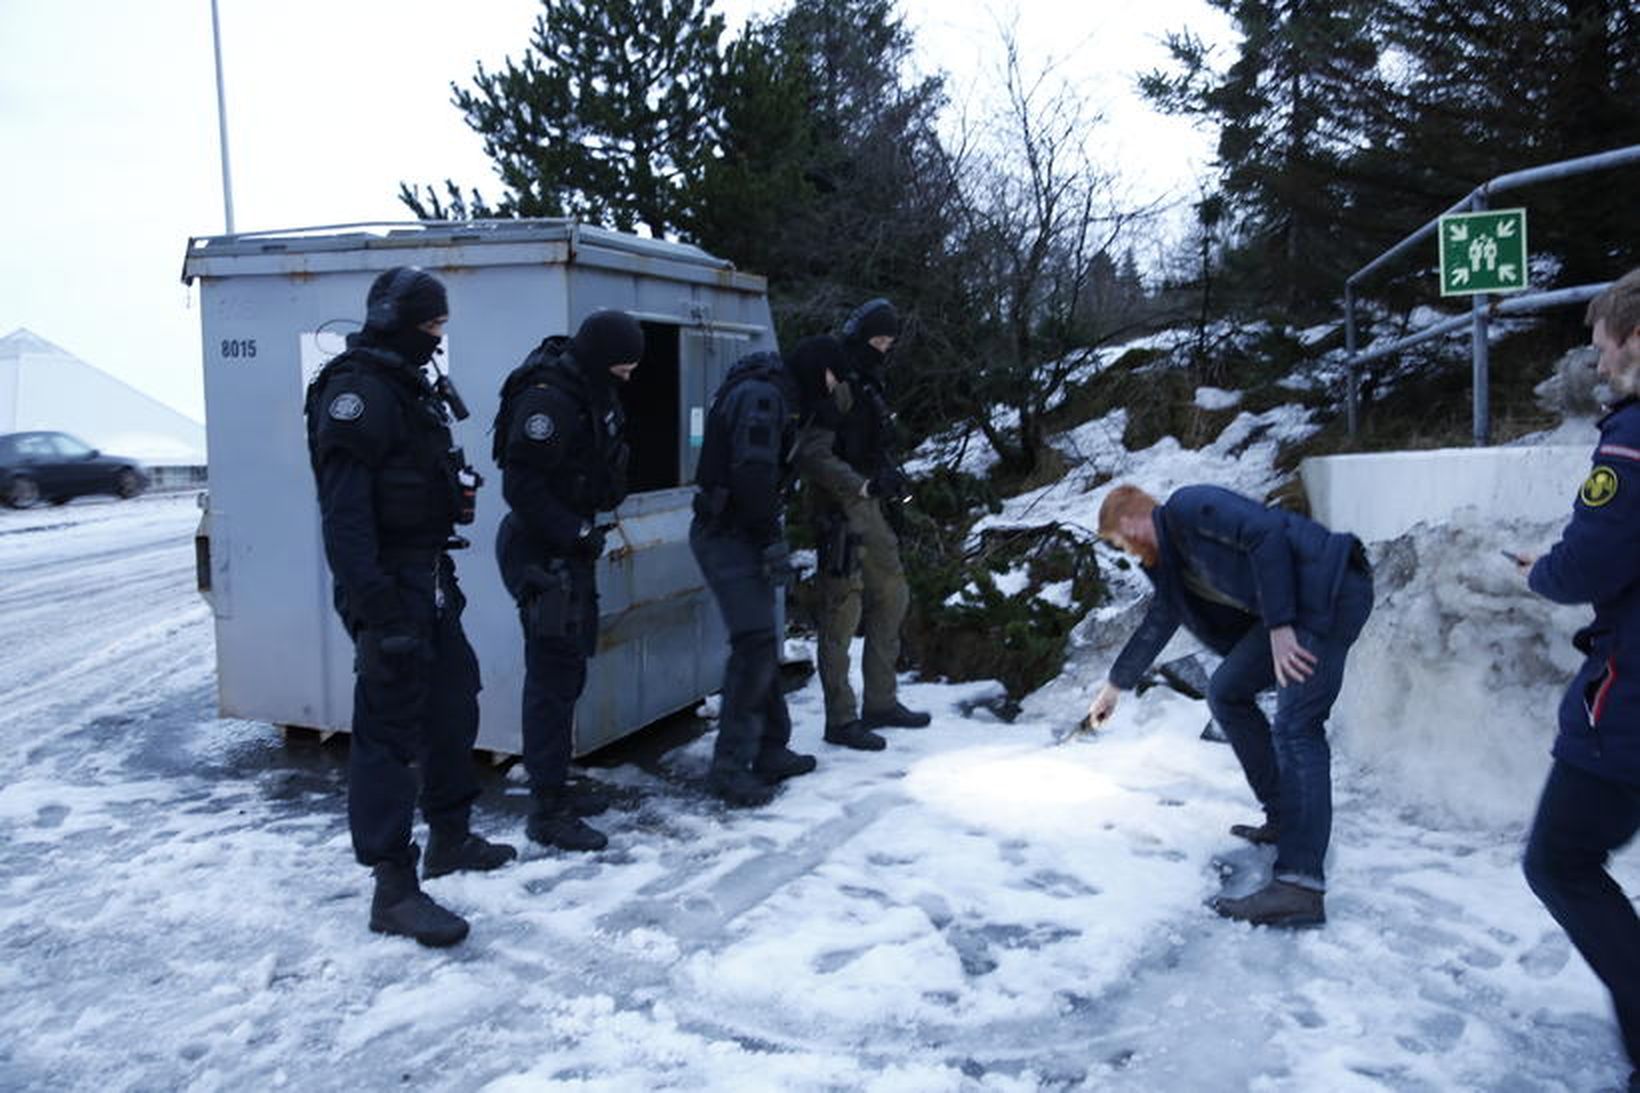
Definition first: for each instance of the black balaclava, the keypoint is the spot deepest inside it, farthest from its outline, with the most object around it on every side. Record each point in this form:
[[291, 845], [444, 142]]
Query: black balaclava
[[400, 300], [807, 363], [607, 338], [870, 319]]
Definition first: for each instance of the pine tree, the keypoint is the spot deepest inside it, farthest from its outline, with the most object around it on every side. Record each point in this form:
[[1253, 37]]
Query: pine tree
[[606, 118], [1302, 95]]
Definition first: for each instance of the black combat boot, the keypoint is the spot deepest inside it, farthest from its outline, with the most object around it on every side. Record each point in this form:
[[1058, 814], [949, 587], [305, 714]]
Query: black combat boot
[[400, 907], [854, 735], [739, 788], [453, 848], [553, 824], [1267, 833], [777, 766], [895, 717], [1278, 903], [584, 797]]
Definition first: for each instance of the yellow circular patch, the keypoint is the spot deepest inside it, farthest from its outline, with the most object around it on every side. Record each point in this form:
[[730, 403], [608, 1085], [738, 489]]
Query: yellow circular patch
[[1599, 488]]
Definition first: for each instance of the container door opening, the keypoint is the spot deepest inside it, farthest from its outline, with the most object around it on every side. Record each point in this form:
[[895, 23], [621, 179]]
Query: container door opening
[[653, 415]]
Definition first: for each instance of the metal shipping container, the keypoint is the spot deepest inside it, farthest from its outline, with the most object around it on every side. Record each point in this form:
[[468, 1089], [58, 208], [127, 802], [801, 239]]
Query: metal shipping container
[[276, 305]]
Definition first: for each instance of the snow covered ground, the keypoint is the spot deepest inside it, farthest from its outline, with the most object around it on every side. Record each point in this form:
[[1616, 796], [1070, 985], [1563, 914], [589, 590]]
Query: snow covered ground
[[973, 909]]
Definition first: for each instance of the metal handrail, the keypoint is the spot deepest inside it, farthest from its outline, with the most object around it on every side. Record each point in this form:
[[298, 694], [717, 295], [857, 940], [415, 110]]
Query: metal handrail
[[1482, 307]]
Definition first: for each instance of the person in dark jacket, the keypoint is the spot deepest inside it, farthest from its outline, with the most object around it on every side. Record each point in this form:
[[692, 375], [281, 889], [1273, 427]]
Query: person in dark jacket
[[392, 487], [1281, 599], [846, 458], [744, 471], [1591, 802], [560, 440]]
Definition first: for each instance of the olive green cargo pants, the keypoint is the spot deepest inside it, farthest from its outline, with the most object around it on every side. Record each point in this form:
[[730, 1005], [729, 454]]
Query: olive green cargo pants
[[877, 591]]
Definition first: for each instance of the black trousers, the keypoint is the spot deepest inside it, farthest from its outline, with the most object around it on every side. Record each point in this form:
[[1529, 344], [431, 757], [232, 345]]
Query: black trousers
[[418, 709], [1581, 819], [558, 609], [753, 720]]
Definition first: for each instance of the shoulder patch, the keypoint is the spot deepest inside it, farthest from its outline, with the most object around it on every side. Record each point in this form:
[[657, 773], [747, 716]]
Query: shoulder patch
[[346, 406], [1599, 488], [539, 427]]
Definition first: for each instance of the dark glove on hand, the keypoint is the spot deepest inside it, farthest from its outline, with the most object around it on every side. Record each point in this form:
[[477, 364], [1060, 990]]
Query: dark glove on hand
[[890, 485], [385, 652], [777, 563], [590, 543]]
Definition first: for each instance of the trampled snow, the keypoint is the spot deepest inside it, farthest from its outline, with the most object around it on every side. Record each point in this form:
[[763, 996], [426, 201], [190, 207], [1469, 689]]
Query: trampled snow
[[972, 909]]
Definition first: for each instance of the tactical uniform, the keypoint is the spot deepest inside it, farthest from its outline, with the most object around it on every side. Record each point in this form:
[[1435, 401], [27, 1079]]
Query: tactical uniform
[[392, 487], [846, 462], [1591, 801], [744, 470], [560, 440]]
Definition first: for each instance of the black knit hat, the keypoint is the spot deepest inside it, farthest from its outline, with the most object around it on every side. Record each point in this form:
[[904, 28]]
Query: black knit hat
[[872, 319], [403, 298], [607, 338]]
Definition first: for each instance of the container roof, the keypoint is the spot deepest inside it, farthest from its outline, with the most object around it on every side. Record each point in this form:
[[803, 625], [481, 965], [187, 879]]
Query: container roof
[[374, 245]]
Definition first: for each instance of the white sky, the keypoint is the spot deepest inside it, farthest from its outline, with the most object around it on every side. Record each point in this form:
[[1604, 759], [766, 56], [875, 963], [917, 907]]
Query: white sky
[[108, 125]]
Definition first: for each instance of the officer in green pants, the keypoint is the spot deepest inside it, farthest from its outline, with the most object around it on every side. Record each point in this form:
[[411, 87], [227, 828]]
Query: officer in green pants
[[844, 458]]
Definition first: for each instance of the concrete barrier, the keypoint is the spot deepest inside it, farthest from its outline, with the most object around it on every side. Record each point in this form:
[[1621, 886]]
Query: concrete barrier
[[1381, 495]]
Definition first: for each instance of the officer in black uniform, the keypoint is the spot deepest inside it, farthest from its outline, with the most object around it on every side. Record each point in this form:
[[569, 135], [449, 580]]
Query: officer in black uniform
[[560, 440], [742, 479], [392, 487]]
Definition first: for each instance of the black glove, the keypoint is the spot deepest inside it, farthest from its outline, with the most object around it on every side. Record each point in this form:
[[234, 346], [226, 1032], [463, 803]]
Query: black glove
[[777, 564], [889, 484], [590, 543]]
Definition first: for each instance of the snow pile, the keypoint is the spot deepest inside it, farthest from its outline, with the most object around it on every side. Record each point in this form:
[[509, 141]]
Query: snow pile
[[1450, 698], [1216, 398]]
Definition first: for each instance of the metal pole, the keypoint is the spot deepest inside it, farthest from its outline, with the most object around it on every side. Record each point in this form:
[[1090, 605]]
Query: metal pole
[[1480, 352], [1353, 395], [222, 122]]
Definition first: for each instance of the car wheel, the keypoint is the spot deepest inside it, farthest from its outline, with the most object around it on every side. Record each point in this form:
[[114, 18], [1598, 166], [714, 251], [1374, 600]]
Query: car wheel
[[21, 492], [127, 483]]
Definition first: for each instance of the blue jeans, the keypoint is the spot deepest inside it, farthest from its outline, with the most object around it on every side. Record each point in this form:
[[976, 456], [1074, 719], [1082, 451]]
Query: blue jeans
[[1580, 820], [1289, 764]]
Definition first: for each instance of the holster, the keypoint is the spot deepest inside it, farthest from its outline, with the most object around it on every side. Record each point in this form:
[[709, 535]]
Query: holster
[[837, 546], [548, 601]]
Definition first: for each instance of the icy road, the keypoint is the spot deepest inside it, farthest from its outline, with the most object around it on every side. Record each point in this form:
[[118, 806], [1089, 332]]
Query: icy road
[[970, 910]]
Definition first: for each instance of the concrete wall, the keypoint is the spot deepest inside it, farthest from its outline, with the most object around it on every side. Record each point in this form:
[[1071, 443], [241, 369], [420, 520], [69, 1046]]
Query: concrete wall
[[1380, 496]]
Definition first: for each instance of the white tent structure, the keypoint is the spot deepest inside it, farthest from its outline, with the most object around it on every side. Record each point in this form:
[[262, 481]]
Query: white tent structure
[[45, 387]]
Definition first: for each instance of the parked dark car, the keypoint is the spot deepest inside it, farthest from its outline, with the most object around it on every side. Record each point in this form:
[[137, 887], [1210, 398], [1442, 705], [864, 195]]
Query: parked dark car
[[55, 467]]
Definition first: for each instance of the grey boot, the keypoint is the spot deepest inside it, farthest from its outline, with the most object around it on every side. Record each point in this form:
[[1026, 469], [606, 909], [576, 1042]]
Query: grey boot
[[1278, 903], [453, 848], [855, 735], [400, 907]]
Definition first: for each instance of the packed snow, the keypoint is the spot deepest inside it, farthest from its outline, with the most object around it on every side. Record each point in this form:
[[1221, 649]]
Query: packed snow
[[975, 908]]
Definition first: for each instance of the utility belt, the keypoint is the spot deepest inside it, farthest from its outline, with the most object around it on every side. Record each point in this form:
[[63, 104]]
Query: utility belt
[[837, 546]]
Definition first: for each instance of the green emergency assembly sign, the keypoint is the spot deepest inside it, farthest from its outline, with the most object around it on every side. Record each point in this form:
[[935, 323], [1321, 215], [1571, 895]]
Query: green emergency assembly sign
[[1483, 252]]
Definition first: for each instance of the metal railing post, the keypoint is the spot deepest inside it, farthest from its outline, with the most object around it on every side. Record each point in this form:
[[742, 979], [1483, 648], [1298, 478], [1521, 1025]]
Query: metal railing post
[[1480, 351], [1353, 396]]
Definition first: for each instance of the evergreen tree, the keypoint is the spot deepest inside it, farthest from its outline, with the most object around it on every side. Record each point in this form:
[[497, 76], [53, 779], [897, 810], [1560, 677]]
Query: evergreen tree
[[606, 118], [1303, 94]]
